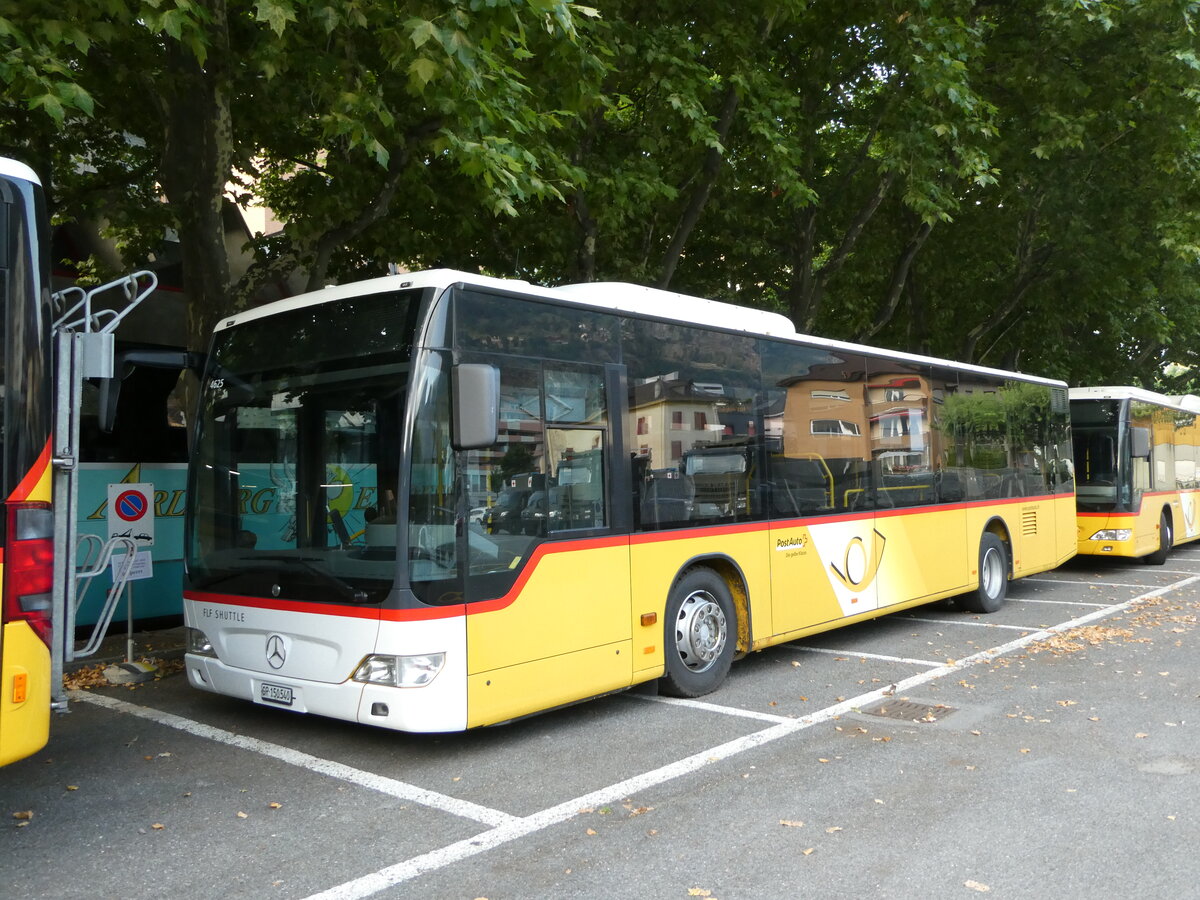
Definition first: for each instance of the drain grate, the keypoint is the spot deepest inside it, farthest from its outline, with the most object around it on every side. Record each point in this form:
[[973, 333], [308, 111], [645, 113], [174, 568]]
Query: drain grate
[[909, 710]]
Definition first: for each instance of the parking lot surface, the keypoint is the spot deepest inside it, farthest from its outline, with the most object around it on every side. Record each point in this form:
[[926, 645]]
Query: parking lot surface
[[1047, 748]]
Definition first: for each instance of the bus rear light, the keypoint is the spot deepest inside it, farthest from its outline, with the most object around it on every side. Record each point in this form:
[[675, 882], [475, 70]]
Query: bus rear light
[[1113, 534], [400, 671], [29, 566]]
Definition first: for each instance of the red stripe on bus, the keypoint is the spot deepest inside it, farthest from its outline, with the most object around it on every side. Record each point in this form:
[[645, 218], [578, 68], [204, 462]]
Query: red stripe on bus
[[540, 552], [326, 609], [33, 476], [1145, 494], [553, 547]]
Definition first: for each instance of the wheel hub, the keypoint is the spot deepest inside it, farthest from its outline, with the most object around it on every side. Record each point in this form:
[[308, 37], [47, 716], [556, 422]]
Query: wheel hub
[[701, 631]]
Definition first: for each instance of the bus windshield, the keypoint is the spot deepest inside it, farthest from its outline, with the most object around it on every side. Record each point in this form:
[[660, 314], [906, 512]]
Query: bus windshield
[[297, 452], [1101, 485]]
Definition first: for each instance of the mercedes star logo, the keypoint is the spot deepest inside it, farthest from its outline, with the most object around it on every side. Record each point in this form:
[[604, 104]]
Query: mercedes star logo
[[276, 651]]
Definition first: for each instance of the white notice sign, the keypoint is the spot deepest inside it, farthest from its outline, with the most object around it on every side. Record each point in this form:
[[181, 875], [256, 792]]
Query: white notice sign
[[143, 565]]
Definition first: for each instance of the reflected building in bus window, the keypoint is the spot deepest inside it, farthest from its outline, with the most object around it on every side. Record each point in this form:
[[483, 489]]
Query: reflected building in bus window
[[672, 414]]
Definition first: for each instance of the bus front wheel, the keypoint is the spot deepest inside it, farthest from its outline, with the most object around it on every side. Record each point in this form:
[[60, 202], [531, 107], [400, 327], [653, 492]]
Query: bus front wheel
[[993, 577], [699, 634], [1165, 539]]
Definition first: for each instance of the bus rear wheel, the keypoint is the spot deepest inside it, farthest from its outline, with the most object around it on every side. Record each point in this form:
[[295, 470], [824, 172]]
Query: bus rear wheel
[[993, 577], [699, 634], [1166, 538]]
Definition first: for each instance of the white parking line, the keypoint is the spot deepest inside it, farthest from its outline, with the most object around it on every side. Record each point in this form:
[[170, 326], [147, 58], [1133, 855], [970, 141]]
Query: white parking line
[[861, 655], [1092, 583], [972, 623], [1057, 602], [714, 707], [399, 789], [396, 874]]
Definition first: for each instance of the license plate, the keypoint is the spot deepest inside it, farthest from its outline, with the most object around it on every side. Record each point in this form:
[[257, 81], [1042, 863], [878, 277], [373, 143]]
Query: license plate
[[275, 693]]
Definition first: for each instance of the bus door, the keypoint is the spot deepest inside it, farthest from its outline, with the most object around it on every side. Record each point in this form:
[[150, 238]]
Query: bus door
[[549, 616]]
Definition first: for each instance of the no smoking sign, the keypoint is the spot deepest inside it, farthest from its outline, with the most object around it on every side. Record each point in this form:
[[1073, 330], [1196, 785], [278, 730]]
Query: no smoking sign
[[131, 513]]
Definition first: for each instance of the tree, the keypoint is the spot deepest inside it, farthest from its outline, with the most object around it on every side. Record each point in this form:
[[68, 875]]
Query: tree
[[326, 110]]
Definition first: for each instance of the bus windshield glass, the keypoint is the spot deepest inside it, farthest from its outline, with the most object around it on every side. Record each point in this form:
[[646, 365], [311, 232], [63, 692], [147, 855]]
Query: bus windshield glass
[[1095, 433], [297, 454]]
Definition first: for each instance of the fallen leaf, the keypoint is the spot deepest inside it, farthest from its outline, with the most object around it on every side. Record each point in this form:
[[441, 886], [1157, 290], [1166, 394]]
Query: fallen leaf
[[242, 815], [1141, 734], [790, 824], [823, 760], [1024, 749], [591, 831], [158, 826], [976, 886], [699, 892], [809, 851], [976, 733], [833, 829], [795, 664], [25, 815], [275, 805], [640, 810], [72, 787]]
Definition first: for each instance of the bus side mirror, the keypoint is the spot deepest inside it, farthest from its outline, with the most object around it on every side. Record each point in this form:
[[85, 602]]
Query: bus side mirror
[[476, 389], [1139, 443]]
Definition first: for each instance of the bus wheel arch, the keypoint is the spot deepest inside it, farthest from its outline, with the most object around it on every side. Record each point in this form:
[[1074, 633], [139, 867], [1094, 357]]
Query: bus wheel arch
[[1166, 539], [702, 627], [995, 569]]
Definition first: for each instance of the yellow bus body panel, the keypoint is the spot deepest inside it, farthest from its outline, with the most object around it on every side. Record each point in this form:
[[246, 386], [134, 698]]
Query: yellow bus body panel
[[1185, 519], [656, 560], [24, 723], [576, 629], [565, 635]]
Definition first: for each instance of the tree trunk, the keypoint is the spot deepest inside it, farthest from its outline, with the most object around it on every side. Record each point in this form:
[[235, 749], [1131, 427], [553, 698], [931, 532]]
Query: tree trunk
[[196, 167], [899, 279]]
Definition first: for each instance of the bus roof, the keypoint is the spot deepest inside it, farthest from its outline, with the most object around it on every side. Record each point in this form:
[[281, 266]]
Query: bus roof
[[1185, 403], [10, 168], [617, 296]]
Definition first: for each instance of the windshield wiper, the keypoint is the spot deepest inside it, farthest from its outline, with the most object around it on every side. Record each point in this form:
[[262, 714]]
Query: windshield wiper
[[345, 588]]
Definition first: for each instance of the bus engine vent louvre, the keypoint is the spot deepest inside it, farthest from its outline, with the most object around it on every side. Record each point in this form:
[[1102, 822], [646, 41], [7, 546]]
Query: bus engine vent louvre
[[1029, 522], [909, 710]]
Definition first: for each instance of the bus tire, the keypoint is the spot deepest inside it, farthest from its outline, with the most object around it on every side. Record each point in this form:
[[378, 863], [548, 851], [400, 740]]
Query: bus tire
[[993, 577], [700, 633], [1166, 538]]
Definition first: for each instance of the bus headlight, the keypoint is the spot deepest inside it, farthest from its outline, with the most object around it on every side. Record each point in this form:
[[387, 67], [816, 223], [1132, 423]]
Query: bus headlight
[[198, 643], [400, 671], [1112, 534]]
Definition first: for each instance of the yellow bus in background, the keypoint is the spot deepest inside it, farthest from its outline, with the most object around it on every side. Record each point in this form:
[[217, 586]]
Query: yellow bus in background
[[700, 481], [1136, 455], [27, 519]]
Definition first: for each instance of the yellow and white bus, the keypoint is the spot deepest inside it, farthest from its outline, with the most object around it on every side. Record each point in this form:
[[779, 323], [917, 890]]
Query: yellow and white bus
[[26, 416], [700, 481], [1136, 454]]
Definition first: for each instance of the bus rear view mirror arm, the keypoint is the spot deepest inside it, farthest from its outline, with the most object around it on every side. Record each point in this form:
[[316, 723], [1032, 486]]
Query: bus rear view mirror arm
[[476, 389]]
